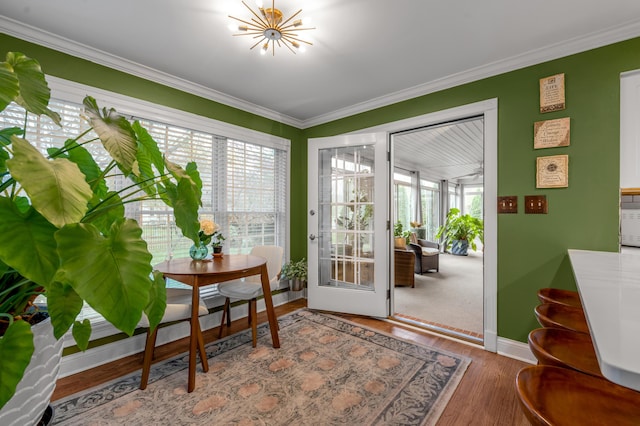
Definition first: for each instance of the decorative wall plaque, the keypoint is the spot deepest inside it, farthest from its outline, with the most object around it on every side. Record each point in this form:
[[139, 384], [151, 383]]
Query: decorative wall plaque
[[552, 93], [552, 133], [552, 171]]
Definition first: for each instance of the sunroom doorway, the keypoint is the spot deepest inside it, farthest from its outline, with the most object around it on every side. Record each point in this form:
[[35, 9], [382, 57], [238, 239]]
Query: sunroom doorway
[[437, 168]]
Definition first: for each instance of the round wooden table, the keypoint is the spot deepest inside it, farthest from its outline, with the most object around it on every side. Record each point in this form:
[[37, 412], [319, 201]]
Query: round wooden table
[[200, 273]]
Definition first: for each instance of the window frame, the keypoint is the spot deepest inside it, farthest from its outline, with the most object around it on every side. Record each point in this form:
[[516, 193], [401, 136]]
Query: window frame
[[68, 91]]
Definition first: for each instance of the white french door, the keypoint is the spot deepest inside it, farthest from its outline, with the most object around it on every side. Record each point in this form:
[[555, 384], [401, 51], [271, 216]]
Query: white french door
[[348, 239]]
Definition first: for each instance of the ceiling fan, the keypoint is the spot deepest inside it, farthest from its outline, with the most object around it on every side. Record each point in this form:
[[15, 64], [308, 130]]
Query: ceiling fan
[[477, 173]]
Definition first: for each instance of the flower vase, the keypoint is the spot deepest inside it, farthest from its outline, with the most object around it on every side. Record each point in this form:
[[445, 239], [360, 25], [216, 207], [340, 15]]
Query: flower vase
[[217, 251], [198, 251]]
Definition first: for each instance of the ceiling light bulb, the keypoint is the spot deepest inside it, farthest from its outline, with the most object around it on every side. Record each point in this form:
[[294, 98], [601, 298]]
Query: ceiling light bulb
[[298, 47], [264, 49], [259, 4]]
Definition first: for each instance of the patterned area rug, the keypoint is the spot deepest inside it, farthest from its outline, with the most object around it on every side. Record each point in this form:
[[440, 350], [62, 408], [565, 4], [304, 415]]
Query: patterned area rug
[[328, 371]]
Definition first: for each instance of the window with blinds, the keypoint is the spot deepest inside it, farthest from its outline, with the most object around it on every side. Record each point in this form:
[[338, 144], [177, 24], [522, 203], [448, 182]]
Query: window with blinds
[[244, 184]]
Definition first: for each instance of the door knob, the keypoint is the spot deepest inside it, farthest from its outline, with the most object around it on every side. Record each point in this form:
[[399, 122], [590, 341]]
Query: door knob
[[312, 237]]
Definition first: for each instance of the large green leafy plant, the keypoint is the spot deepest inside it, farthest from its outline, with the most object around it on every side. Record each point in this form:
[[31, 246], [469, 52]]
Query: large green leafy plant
[[64, 233], [461, 227]]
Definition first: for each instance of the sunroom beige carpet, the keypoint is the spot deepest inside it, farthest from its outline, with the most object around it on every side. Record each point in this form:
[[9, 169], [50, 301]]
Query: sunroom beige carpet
[[452, 297], [327, 371]]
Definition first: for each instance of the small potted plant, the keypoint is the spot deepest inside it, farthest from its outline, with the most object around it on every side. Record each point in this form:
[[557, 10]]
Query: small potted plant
[[216, 242], [419, 230], [401, 237], [460, 231], [296, 273]]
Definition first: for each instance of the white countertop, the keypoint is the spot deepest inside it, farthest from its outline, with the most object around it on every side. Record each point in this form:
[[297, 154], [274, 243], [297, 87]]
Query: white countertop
[[609, 287]]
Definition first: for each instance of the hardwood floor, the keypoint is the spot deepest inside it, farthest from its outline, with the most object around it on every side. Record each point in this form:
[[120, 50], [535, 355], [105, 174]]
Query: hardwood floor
[[486, 395]]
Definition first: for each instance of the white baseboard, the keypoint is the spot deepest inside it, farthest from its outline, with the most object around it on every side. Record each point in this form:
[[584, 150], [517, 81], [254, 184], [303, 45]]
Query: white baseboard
[[516, 350], [81, 361]]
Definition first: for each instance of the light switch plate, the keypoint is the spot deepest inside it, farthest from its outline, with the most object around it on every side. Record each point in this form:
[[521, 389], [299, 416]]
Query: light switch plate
[[508, 204], [535, 204]]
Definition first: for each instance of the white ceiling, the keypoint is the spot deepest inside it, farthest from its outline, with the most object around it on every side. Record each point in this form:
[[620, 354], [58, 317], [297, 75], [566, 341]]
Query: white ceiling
[[449, 151], [366, 53]]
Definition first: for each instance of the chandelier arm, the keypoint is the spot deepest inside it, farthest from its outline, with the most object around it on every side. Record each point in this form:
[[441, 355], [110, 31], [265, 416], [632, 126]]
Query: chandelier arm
[[259, 24], [273, 19], [287, 28], [251, 25], [266, 24], [289, 38], [254, 34], [290, 18], [289, 47], [261, 40]]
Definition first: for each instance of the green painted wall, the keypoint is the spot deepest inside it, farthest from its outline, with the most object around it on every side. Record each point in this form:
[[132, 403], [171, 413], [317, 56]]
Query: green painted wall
[[532, 249], [82, 71]]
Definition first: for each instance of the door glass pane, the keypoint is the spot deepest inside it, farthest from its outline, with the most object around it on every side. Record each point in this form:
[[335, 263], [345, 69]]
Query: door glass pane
[[346, 212]]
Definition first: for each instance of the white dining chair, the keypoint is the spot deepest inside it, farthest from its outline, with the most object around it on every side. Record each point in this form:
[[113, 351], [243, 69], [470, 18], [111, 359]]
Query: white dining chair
[[251, 288], [178, 309]]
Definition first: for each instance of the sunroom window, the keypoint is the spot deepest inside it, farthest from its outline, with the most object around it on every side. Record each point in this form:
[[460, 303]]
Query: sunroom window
[[245, 183]]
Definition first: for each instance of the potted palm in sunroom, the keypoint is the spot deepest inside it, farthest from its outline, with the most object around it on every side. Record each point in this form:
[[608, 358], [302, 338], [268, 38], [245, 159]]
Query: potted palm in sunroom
[[460, 232], [64, 233]]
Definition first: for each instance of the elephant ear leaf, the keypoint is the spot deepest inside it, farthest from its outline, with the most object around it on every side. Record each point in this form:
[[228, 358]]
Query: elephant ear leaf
[[116, 134], [16, 348], [151, 152], [88, 166], [81, 333], [185, 198], [5, 134], [34, 92], [157, 300], [27, 242], [64, 305], [111, 273], [57, 188], [9, 85], [194, 174]]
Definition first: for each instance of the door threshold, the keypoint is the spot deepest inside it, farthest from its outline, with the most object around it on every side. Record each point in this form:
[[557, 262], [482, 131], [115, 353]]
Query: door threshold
[[467, 336]]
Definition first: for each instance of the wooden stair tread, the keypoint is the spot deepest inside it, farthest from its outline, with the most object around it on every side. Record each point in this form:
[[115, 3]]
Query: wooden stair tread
[[560, 396], [557, 295], [562, 316], [564, 348]]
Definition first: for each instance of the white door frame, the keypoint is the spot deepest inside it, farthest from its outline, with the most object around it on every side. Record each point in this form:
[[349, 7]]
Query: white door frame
[[489, 109]]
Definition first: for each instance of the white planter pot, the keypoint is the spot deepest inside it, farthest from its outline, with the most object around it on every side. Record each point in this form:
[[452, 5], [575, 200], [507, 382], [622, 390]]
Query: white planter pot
[[296, 284], [36, 387]]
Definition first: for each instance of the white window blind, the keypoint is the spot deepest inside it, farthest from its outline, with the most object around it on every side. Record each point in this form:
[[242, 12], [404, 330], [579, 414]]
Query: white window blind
[[244, 184]]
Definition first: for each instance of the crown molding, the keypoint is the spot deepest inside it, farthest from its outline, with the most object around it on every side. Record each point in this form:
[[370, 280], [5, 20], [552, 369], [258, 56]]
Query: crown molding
[[47, 39], [532, 57]]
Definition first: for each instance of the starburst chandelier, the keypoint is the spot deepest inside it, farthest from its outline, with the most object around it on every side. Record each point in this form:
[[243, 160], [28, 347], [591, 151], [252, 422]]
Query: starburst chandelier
[[270, 30]]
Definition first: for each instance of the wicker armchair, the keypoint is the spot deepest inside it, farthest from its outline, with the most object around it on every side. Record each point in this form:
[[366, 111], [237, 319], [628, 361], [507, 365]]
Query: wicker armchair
[[427, 255]]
